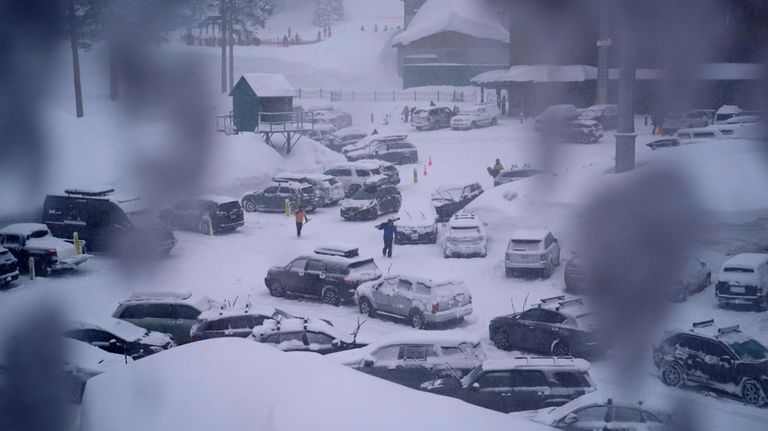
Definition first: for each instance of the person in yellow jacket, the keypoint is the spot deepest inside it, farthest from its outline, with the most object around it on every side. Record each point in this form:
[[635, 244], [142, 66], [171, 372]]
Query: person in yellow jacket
[[301, 218]]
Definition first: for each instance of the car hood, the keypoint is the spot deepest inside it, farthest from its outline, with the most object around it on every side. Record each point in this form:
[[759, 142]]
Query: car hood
[[354, 203], [154, 338]]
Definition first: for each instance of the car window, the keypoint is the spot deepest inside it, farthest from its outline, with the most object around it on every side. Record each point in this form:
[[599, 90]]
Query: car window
[[298, 264], [316, 266], [292, 338], [159, 311], [532, 315], [494, 379], [319, 338], [98, 336], [704, 135], [553, 317], [691, 343], [136, 311], [650, 417], [386, 354], [422, 289], [626, 414], [416, 353], [527, 378], [181, 311], [749, 350], [218, 325], [592, 414], [272, 339], [271, 190], [362, 173], [404, 284], [714, 349], [245, 322], [11, 239], [569, 379]]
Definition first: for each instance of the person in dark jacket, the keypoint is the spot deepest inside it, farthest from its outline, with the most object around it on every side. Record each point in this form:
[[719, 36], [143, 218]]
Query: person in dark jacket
[[390, 230], [301, 218]]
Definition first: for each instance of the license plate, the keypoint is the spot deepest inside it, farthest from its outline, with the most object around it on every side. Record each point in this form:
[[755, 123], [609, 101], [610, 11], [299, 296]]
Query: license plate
[[415, 236], [737, 289]]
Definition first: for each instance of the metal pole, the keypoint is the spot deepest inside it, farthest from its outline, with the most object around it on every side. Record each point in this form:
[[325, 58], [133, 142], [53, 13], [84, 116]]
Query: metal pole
[[75, 60], [603, 47], [625, 133], [231, 43]]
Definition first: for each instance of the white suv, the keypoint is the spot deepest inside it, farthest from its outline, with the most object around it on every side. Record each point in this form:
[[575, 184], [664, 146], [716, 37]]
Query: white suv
[[478, 115], [465, 236], [532, 249], [352, 175]]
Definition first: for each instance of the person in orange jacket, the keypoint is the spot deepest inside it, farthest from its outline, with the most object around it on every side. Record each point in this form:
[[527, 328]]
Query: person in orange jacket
[[301, 218]]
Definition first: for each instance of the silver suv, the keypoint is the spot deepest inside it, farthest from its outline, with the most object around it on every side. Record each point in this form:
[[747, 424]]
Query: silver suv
[[533, 249], [420, 301]]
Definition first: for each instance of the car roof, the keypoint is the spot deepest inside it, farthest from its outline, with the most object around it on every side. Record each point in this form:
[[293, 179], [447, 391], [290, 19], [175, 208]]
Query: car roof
[[271, 326], [707, 329], [747, 260], [23, 228], [372, 163], [530, 235], [572, 307], [426, 281], [201, 302], [339, 260], [217, 199], [125, 330], [300, 176], [536, 362], [464, 219], [221, 313], [290, 184]]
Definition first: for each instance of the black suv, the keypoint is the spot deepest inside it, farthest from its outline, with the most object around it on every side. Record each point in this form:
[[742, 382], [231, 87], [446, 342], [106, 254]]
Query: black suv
[[205, 214], [557, 326], [724, 359], [371, 201], [448, 200], [394, 149], [521, 383], [329, 274], [272, 199], [107, 221], [9, 267]]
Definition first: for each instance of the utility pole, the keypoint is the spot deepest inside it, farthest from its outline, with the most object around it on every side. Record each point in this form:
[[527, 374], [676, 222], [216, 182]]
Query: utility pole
[[231, 42], [75, 60], [625, 133], [603, 48]]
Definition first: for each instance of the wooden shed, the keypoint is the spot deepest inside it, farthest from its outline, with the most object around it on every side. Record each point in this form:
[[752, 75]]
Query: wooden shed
[[261, 97]]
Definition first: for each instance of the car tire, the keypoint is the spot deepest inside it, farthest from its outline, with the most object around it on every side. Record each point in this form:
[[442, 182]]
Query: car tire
[[367, 308], [508, 272], [42, 270], [473, 125], [752, 393], [501, 340], [331, 297], [547, 272], [416, 318], [707, 281], [494, 121], [560, 348], [204, 228], [276, 289], [672, 374], [249, 205]]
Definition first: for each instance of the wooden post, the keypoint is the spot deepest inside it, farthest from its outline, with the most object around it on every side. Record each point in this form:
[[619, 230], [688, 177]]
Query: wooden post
[[75, 60], [31, 266]]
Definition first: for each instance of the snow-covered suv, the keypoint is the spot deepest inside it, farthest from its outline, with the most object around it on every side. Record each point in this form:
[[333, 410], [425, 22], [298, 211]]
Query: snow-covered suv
[[304, 335], [352, 175], [328, 189], [478, 115], [272, 199], [420, 301], [34, 240], [9, 267], [465, 236], [373, 200], [532, 249], [393, 148], [743, 280]]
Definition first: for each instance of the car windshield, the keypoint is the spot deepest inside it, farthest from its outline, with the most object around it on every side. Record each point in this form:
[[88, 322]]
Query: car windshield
[[365, 194], [364, 268], [38, 234], [280, 314], [738, 269], [472, 376], [525, 244], [750, 350]]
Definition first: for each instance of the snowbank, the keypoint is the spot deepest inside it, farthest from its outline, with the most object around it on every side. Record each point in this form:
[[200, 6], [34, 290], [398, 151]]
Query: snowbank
[[236, 384], [471, 17]]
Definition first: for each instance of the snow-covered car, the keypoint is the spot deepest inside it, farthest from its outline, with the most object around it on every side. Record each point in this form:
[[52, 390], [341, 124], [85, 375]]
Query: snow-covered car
[[516, 384], [273, 198], [321, 131], [381, 167], [663, 143], [118, 336], [330, 277], [606, 115], [304, 335], [743, 280], [416, 224], [726, 112], [372, 201], [169, 312], [432, 117], [233, 322], [391, 148], [725, 359], [411, 359], [465, 236], [558, 326], [513, 174], [580, 131], [421, 302], [675, 121], [328, 189], [81, 361], [207, 214], [554, 117], [352, 175], [593, 411], [720, 131], [450, 199], [9, 267], [344, 137], [694, 277], [34, 240], [532, 250], [328, 114], [477, 116]]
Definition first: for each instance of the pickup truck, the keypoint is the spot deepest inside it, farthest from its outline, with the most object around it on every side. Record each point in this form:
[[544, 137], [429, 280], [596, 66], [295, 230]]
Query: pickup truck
[[25, 240]]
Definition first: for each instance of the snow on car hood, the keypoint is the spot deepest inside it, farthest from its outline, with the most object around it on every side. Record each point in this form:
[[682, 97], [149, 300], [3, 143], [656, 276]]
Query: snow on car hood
[[356, 203], [464, 116]]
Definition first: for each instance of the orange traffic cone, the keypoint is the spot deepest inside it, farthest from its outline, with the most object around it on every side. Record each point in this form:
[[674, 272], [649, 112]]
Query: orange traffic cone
[[425, 171], [430, 161]]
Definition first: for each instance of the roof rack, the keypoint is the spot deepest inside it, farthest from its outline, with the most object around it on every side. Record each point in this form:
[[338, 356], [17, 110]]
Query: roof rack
[[160, 295], [727, 329], [570, 301], [90, 193], [703, 323], [552, 299]]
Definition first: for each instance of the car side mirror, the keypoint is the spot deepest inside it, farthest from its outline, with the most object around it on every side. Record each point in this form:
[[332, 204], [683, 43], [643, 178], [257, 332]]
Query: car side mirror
[[113, 342], [322, 275], [570, 419], [336, 343], [368, 362], [475, 386], [726, 359]]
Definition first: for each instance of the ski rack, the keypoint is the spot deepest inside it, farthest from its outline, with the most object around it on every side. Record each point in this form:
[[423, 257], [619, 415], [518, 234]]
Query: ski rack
[[703, 324], [728, 329], [552, 299]]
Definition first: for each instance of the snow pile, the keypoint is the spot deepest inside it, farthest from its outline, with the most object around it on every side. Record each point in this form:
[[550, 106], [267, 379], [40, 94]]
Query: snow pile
[[236, 384], [471, 17]]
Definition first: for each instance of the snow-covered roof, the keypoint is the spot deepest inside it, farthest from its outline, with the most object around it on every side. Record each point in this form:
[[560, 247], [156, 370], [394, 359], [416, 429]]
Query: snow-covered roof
[[529, 235], [300, 324], [269, 85], [201, 302], [728, 109], [218, 199], [439, 338], [372, 163], [297, 176], [220, 313], [81, 357], [535, 361], [746, 260], [125, 330], [471, 17], [551, 415], [539, 73], [23, 228]]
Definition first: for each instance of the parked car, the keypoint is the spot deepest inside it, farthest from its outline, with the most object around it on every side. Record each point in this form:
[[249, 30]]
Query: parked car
[[272, 198], [328, 114], [581, 131], [555, 117], [722, 131], [34, 240], [9, 267], [532, 250], [233, 322], [304, 335], [726, 112], [675, 121], [695, 276], [328, 189], [450, 199], [433, 117], [606, 115], [521, 383], [344, 137], [207, 214], [411, 359], [352, 175], [416, 225], [169, 312], [381, 167], [724, 359], [373, 200], [321, 131], [576, 276], [391, 148], [513, 174], [743, 280], [421, 302], [744, 119], [663, 143], [594, 411], [81, 362], [106, 221], [479, 115], [465, 236], [330, 277], [118, 336], [558, 326]]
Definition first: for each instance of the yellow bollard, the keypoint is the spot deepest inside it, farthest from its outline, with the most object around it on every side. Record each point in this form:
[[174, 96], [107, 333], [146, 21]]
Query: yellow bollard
[[31, 263], [287, 208], [78, 246], [415, 176], [210, 226]]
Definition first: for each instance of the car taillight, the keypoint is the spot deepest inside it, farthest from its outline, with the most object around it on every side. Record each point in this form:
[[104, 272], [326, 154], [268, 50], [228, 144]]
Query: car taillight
[[352, 283], [435, 307], [53, 254], [221, 213]]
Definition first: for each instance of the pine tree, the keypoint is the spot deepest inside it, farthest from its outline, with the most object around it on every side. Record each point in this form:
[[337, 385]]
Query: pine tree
[[322, 15]]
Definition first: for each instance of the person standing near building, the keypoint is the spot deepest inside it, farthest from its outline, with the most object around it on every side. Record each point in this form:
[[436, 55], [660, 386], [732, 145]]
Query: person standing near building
[[301, 218], [390, 230]]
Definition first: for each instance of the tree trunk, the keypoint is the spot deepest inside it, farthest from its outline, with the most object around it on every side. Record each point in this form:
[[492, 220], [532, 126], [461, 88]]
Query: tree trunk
[[75, 60], [223, 28], [114, 72]]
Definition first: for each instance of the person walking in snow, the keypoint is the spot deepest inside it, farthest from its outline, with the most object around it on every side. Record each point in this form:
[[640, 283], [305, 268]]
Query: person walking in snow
[[405, 113], [390, 230], [301, 219]]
